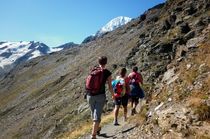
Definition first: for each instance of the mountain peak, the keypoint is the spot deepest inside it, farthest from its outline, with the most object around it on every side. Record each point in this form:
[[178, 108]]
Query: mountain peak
[[110, 26], [113, 24]]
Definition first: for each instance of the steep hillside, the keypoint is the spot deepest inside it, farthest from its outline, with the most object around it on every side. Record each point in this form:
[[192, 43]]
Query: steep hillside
[[179, 105], [43, 98]]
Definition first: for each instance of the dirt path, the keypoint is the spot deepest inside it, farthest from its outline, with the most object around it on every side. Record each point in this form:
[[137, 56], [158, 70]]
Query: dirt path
[[114, 132], [111, 131]]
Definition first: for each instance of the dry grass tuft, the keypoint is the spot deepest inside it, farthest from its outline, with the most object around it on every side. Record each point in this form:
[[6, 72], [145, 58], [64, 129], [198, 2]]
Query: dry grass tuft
[[85, 128], [139, 118], [203, 112]]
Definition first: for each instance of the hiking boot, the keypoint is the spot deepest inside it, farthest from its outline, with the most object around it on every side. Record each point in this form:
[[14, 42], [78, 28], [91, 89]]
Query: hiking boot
[[93, 136], [133, 111], [116, 123]]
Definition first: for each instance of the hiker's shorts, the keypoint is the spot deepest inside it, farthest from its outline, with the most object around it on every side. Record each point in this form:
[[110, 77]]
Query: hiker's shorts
[[96, 104], [135, 99], [121, 100]]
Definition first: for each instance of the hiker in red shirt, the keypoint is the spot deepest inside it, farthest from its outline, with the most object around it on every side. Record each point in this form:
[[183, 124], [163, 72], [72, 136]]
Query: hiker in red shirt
[[136, 91]]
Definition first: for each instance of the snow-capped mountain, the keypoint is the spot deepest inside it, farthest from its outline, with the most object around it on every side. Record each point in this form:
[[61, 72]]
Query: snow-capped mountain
[[113, 24], [110, 26], [13, 53]]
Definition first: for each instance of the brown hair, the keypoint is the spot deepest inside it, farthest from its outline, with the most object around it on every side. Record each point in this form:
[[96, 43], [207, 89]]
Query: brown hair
[[102, 60], [123, 72], [135, 69]]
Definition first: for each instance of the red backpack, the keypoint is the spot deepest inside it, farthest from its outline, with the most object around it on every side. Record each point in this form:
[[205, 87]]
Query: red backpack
[[118, 86], [94, 80]]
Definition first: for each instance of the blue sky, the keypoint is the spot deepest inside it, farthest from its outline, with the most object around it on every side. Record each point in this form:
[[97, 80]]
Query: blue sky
[[56, 22]]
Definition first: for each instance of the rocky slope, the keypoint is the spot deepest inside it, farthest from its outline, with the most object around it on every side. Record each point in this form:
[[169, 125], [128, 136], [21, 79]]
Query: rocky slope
[[43, 98], [179, 105]]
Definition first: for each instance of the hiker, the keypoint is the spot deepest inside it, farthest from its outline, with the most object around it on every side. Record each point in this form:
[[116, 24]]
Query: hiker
[[95, 89], [121, 92], [136, 91]]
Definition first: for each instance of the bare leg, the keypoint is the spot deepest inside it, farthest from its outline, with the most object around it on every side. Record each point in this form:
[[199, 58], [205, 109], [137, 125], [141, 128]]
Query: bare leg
[[136, 103], [133, 106], [116, 111], [125, 113], [95, 128]]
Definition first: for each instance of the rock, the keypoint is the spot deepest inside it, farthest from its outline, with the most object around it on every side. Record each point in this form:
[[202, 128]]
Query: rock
[[179, 59], [189, 35], [166, 25], [193, 43], [163, 48], [172, 18], [190, 10], [149, 114], [184, 28], [168, 75], [201, 67], [169, 99], [189, 66], [178, 9], [183, 53], [158, 107], [142, 35], [187, 17], [84, 106], [173, 115], [178, 21], [142, 17], [199, 23]]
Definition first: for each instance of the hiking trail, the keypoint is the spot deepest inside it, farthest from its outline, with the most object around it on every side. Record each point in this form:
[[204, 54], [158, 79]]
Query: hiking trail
[[111, 131]]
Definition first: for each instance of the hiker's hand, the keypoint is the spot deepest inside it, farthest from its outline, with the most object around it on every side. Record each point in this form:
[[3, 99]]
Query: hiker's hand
[[113, 97]]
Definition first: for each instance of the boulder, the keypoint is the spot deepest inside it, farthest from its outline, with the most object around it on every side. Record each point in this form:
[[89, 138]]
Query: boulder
[[189, 35], [190, 10], [163, 48], [184, 27], [166, 25], [193, 43]]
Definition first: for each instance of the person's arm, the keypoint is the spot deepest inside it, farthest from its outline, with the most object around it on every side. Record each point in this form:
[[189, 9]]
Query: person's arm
[[110, 85], [128, 90], [141, 79]]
